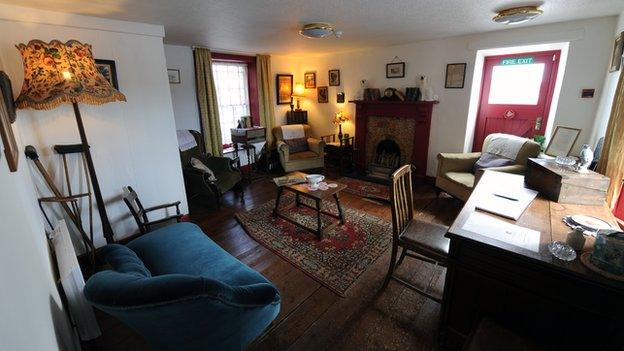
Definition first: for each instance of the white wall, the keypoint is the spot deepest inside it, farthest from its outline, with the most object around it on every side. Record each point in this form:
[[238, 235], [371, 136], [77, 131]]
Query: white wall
[[588, 57], [183, 96], [134, 142], [32, 315], [608, 92]]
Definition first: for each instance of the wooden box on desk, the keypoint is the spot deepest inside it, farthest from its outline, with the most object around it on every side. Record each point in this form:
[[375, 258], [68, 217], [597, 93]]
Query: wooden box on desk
[[564, 185]]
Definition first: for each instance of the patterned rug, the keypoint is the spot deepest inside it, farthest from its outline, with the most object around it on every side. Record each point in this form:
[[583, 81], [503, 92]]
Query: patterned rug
[[366, 189], [336, 261]]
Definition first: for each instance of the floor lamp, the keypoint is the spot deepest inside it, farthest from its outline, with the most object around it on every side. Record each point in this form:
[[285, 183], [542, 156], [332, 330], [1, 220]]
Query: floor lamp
[[56, 73]]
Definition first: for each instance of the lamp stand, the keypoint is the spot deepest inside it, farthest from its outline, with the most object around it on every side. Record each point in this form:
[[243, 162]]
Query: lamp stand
[[106, 227], [340, 132]]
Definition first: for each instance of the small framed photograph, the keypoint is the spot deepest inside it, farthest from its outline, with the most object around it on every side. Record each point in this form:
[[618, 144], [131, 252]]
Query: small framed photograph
[[284, 87], [108, 69], [395, 70], [340, 98], [455, 76], [334, 77], [323, 96], [562, 141], [174, 76], [618, 49], [7, 92], [310, 80]]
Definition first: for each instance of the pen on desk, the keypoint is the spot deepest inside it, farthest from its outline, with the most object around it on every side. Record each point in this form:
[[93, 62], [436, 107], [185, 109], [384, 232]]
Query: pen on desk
[[506, 197]]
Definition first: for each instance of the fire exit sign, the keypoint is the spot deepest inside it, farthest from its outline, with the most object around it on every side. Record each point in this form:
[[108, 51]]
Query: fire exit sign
[[517, 61]]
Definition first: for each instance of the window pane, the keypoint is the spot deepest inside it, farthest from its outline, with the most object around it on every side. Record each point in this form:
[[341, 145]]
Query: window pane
[[516, 84], [232, 95]]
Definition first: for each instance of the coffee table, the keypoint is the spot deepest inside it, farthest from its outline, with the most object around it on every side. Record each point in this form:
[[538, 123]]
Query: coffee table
[[318, 196]]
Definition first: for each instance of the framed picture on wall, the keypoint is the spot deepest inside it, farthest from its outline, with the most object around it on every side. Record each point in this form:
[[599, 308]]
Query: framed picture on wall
[[108, 69], [284, 87], [334, 77], [562, 141], [310, 80], [323, 96], [174, 76], [618, 49], [395, 70], [455, 76]]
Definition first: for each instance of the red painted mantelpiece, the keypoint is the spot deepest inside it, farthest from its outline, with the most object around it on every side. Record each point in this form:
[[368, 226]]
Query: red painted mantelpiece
[[420, 111]]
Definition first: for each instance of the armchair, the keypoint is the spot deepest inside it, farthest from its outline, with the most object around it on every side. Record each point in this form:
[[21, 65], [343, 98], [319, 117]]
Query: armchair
[[312, 157], [199, 184], [457, 175], [140, 213]]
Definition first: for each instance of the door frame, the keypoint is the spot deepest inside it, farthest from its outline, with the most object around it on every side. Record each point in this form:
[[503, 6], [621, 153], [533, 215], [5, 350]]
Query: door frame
[[549, 94]]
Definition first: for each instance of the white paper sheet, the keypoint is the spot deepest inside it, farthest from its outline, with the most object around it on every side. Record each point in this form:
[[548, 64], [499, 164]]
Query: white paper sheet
[[498, 201], [491, 227]]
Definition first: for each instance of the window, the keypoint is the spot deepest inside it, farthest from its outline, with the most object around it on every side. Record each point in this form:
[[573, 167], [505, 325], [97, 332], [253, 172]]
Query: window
[[516, 84], [231, 83]]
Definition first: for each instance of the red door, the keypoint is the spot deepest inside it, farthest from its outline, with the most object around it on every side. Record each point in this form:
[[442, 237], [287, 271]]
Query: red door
[[515, 94]]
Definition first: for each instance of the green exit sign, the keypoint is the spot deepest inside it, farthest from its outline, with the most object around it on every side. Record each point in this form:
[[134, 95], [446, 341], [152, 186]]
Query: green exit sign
[[517, 61]]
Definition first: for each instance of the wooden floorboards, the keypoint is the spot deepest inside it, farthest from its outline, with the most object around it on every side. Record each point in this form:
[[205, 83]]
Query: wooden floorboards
[[312, 317]]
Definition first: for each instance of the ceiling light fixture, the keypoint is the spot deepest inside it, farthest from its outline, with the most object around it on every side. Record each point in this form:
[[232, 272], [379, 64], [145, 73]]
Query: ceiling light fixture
[[319, 30], [517, 15]]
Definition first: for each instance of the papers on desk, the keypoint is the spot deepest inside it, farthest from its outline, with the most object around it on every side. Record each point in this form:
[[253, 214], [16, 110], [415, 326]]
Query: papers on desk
[[509, 203], [491, 227]]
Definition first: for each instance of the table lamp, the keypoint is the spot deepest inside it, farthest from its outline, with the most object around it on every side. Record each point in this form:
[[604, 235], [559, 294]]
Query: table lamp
[[56, 73], [339, 119], [298, 93]]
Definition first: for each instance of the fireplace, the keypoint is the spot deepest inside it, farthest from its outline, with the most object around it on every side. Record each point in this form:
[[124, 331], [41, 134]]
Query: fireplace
[[379, 123], [387, 159]]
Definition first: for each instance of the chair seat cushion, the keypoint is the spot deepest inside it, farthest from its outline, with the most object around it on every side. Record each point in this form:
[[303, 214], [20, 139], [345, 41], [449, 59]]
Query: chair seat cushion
[[427, 239], [303, 155], [226, 180], [183, 248], [465, 179], [297, 145]]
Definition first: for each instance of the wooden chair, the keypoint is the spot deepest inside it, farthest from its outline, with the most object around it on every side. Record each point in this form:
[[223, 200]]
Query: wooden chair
[[140, 214], [417, 239]]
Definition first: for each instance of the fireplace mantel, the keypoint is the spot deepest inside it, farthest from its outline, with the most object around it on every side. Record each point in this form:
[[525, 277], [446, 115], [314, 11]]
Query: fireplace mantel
[[420, 111]]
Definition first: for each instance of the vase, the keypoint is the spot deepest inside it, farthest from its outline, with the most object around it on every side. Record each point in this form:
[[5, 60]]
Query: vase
[[585, 158]]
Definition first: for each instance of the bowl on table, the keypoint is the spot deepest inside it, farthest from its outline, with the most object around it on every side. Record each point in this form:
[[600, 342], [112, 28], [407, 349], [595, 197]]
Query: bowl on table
[[313, 180]]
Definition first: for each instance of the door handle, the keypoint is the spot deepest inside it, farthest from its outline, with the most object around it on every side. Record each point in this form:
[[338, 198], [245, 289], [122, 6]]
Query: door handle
[[538, 123]]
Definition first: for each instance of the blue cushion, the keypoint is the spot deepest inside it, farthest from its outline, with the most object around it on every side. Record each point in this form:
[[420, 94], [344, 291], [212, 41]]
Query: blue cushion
[[183, 248], [124, 260]]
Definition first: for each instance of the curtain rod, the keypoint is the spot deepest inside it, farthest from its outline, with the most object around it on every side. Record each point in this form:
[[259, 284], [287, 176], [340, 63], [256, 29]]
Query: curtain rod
[[223, 51]]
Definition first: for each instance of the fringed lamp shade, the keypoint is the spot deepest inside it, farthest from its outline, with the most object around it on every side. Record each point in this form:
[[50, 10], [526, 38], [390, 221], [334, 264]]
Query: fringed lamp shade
[[56, 73], [340, 118]]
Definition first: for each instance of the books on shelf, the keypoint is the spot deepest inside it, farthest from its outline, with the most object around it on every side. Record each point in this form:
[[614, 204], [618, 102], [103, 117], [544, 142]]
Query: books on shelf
[[288, 180]]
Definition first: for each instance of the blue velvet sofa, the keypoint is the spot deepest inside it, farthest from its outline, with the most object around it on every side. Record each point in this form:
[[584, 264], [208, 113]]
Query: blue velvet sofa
[[181, 291]]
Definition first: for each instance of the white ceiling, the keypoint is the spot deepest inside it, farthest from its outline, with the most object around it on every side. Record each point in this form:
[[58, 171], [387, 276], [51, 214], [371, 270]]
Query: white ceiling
[[270, 26]]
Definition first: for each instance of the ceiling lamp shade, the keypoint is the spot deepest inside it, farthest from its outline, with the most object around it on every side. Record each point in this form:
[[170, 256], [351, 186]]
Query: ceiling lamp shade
[[517, 15], [56, 73], [319, 30]]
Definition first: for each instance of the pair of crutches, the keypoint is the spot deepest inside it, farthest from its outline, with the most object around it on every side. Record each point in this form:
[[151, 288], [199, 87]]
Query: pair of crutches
[[69, 203]]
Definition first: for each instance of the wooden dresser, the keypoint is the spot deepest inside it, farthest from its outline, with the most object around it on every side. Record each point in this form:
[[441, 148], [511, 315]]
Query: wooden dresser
[[561, 305]]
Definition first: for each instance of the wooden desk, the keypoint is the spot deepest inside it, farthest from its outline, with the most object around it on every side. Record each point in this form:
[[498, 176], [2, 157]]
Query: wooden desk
[[561, 305]]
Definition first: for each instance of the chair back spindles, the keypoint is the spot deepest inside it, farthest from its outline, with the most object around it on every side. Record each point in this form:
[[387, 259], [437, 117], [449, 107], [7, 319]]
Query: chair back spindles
[[401, 199]]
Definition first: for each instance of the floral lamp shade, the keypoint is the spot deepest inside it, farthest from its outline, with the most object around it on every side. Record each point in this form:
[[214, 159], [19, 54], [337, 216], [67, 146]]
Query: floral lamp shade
[[340, 118], [56, 73]]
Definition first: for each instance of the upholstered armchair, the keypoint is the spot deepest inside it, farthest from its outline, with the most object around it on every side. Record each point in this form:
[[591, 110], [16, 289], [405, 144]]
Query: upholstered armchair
[[458, 173], [200, 184], [297, 150]]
